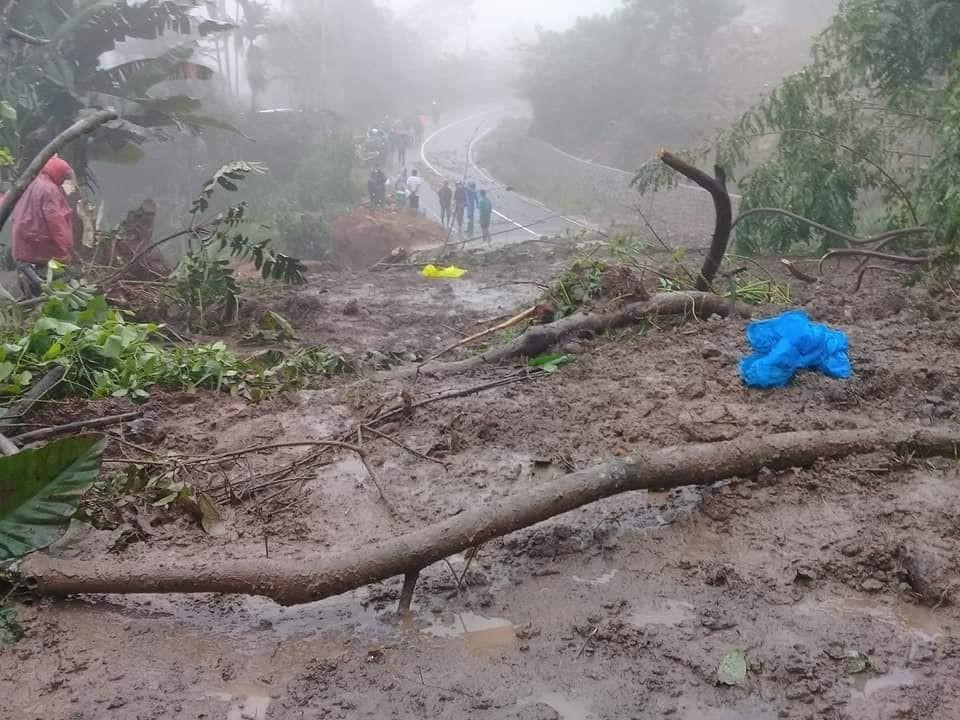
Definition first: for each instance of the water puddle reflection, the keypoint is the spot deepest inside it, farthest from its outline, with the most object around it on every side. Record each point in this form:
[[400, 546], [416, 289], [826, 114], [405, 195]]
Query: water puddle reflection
[[568, 708], [916, 619], [866, 686], [247, 702], [663, 612], [478, 632]]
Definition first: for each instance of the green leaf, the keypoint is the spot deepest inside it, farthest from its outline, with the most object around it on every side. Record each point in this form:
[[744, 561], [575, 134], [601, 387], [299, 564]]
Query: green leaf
[[113, 347], [857, 662], [57, 327], [8, 111], [550, 363], [210, 518], [10, 629], [732, 669], [41, 489], [6, 370]]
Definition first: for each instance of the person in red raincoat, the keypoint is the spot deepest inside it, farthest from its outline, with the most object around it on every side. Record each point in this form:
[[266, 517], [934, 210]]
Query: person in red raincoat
[[43, 222]]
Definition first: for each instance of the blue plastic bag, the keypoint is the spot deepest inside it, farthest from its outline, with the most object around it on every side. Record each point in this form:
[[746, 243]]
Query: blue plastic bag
[[791, 342]]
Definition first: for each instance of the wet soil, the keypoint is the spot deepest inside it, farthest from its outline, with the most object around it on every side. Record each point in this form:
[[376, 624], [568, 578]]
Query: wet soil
[[622, 609]]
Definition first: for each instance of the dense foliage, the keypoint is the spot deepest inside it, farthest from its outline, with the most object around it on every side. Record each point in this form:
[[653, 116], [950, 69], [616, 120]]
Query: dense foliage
[[58, 60], [867, 137], [104, 354], [640, 72]]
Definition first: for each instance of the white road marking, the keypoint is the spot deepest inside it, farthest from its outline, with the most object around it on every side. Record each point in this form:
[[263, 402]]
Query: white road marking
[[438, 171]]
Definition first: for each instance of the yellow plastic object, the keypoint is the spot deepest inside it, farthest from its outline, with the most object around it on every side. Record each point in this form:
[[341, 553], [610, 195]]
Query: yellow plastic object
[[448, 273]]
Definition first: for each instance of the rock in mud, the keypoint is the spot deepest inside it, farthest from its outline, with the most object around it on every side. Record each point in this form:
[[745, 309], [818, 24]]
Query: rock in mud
[[871, 586], [931, 571]]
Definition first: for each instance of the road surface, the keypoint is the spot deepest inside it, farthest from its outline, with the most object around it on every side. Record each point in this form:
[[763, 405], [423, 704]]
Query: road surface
[[447, 150]]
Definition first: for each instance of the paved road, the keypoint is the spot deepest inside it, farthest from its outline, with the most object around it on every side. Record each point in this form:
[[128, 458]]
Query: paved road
[[448, 151]]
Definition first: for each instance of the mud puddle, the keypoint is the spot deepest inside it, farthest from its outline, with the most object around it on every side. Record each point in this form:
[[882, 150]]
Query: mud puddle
[[566, 706], [866, 686], [663, 612], [479, 633], [247, 702], [915, 620]]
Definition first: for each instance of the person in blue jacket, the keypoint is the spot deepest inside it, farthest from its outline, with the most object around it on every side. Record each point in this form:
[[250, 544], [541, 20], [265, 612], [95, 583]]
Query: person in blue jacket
[[471, 207]]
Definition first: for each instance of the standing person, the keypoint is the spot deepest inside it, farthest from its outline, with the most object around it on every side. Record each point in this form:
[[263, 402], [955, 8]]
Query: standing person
[[414, 182], [379, 187], [459, 204], [403, 142], [485, 206], [471, 207], [372, 188], [43, 224], [445, 195]]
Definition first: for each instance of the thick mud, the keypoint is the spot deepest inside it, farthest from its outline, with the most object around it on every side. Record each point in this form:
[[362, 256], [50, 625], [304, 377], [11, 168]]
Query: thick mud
[[619, 610]]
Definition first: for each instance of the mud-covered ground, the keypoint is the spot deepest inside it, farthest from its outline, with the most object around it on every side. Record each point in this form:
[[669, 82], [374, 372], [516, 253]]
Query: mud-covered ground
[[619, 610]]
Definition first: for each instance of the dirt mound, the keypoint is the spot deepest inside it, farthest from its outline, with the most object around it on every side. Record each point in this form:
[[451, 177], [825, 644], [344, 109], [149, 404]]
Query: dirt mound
[[363, 237]]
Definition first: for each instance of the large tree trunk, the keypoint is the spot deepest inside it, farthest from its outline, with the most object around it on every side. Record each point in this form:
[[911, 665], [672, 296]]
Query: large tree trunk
[[292, 582], [540, 338]]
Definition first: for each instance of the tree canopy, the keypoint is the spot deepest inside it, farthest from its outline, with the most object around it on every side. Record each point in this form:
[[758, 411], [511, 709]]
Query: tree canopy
[[873, 122], [637, 73]]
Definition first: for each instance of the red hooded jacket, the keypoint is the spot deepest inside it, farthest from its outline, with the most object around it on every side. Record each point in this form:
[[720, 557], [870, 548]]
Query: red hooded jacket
[[42, 219]]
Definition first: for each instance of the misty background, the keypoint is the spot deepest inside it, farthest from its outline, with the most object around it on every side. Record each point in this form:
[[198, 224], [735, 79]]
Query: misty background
[[296, 84]]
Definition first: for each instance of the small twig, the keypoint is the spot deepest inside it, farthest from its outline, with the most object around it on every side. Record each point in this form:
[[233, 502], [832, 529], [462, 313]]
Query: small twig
[[586, 642], [399, 444], [858, 252], [877, 268], [423, 683], [470, 555], [45, 433], [797, 272], [200, 460], [515, 320], [393, 412]]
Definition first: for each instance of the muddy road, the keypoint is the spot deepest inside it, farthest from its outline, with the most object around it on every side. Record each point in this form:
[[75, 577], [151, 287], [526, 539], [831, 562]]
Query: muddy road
[[619, 610]]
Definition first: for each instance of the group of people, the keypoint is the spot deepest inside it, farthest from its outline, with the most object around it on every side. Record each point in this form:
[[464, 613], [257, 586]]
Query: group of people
[[465, 200], [406, 188]]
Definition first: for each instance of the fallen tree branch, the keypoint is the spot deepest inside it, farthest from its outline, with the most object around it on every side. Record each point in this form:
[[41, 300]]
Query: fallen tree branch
[[292, 582], [859, 252], [13, 415], [80, 128], [717, 187], [515, 320], [50, 432], [540, 338]]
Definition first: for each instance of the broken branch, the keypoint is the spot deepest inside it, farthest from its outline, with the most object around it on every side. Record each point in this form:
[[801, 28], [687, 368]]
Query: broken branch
[[292, 582], [717, 187], [540, 338], [50, 432], [515, 320]]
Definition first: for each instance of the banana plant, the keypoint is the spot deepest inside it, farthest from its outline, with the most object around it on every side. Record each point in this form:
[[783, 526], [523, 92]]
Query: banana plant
[[63, 70]]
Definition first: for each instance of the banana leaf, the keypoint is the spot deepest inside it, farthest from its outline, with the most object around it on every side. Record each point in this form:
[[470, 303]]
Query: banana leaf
[[41, 489]]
